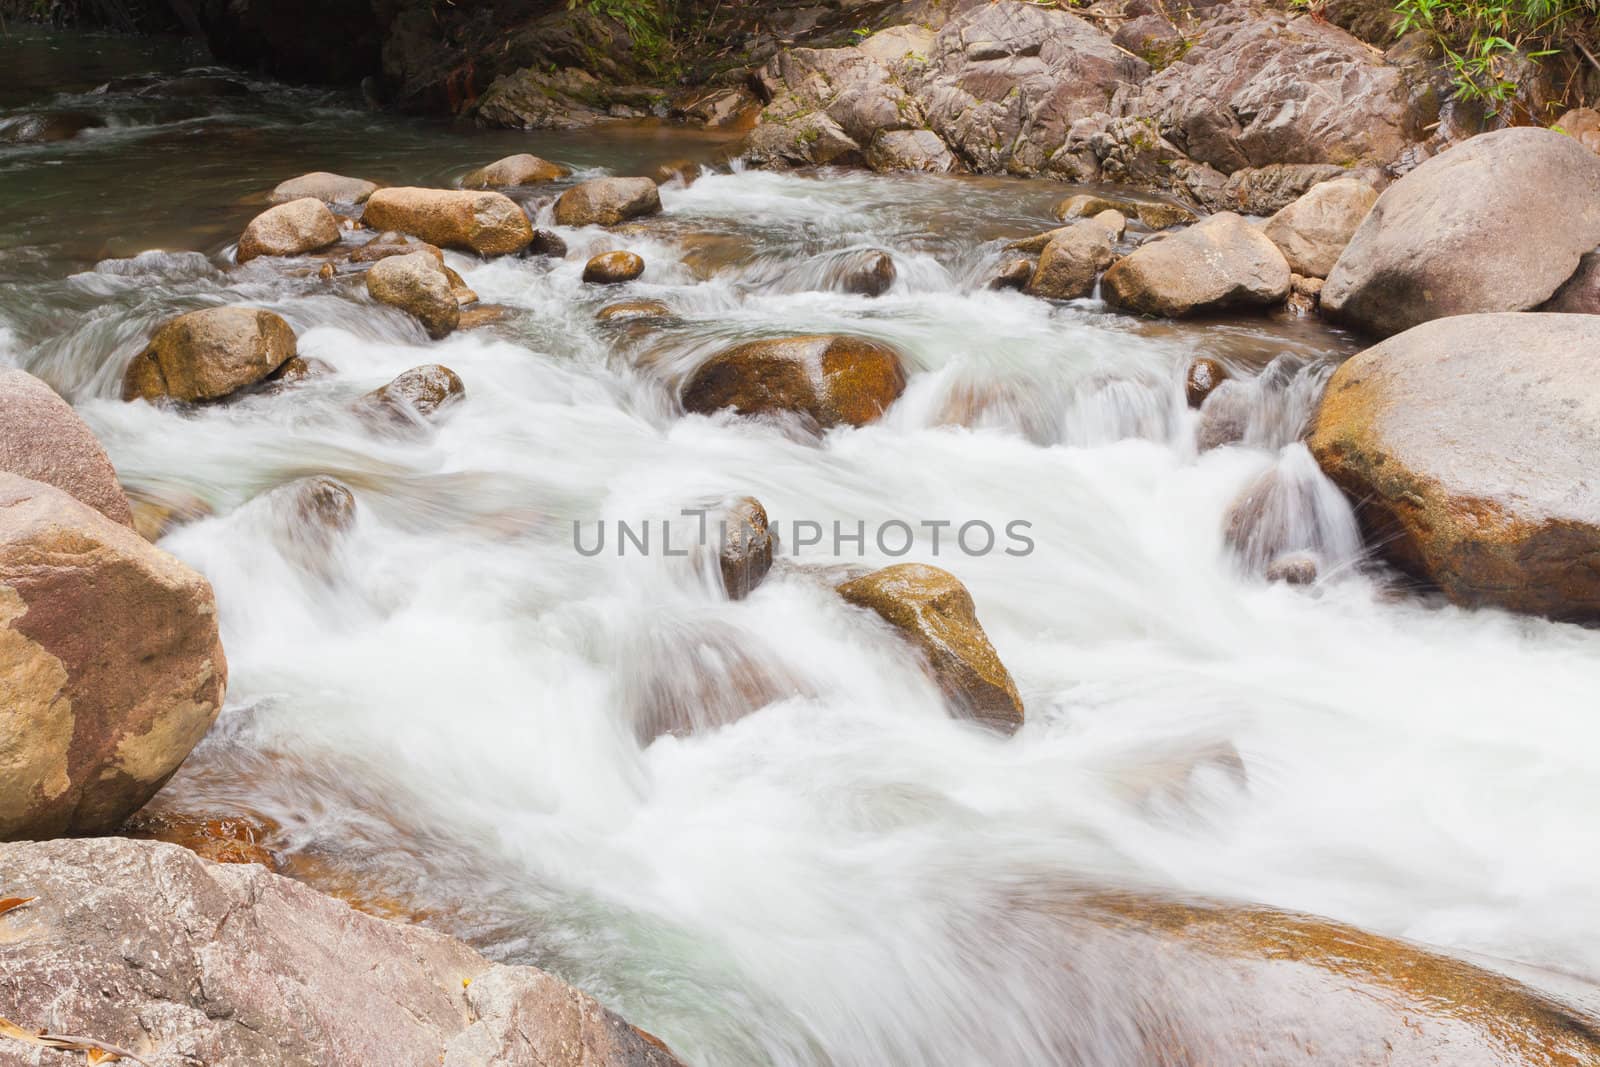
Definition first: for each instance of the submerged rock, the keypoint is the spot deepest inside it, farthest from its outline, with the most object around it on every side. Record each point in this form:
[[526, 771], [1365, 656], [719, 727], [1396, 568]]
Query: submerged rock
[[1314, 230], [520, 169], [613, 268], [487, 223], [218, 838], [42, 438], [414, 397], [205, 355], [1202, 378], [113, 667], [546, 243], [45, 129], [635, 311], [745, 556], [607, 201], [1220, 263], [147, 946], [934, 610], [299, 226], [1461, 234], [831, 379], [1467, 445], [417, 285], [870, 272], [329, 188]]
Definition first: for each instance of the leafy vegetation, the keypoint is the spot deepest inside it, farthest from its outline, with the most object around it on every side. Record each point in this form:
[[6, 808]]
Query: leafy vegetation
[[648, 23], [1481, 39]]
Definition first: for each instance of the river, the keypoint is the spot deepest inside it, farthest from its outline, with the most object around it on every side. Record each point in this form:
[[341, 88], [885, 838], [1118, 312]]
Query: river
[[445, 708]]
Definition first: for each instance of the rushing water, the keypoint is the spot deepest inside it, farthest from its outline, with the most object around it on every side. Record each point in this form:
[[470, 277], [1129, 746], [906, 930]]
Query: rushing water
[[447, 705]]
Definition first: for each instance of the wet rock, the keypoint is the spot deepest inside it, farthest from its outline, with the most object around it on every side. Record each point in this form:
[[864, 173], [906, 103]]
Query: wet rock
[[826, 106], [1071, 262], [310, 517], [480, 315], [321, 185], [1289, 515], [833, 380], [1466, 443], [393, 243], [1202, 378], [685, 171], [146, 945], [813, 140], [934, 610], [1014, 272], [1153, 214], [487, 223], [1005, 81], [42, 438], [205, 355], [613, 268], [1294, 568], [218, 838], [416, 285], [1426, 251], [300, 369], [745, 556], [157, 512], [303, 225], [113, 665], [1153, 38], [414, 397], [1312, 231], [607, 201], [1305, 294], [1582, 124], [866, 273], [520, 169], [717, 109], [683, 679], [910, 150], [1225, 415], [635, 311], [546, 243], [1222, 262], [1113, 221], [45, 129]]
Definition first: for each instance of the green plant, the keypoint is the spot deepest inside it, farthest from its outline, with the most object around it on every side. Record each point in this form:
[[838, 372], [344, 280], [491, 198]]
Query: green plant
[[1479, 39], [646, 21]]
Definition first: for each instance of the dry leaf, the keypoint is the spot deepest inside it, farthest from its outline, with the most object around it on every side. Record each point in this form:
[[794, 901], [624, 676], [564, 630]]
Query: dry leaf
[[96, 1051], [100, 1055], [11, 903]]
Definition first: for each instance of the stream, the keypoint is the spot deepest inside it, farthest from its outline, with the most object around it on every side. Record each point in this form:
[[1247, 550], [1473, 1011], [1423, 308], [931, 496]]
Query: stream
[[456, 709]]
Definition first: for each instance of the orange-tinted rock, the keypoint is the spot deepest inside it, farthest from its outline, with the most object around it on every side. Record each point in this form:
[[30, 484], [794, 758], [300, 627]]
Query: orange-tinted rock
[[484, 222], [303, 225], [414, 396], [832, 379], [520, 169], [613, 268], [1203, 376], [607, 201], [205, 355], [218, 838], [747, 547]]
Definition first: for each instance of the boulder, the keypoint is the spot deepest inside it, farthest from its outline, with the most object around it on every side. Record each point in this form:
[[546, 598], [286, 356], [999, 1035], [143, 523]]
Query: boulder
[[1313, 231], [1582, 124], [1006, 80], [827, 105], [635, 311], [205, 355], [487, 223], [417, 285], [1154, 214], [935, 612], [1072, 261], [833, 380], [392, 243], [913, 150], [613, 268], [1014, 272], [109, 661], [42, 438], [1269, 189], [48, 128], [146, 946], [685, 171], [480, 315], [520, 169], [1467, 443], [329, 188], [1226, 413], [414, 397], [1202, 378], [1153, 38], [1220, 263], [1461, 234], [869, 272], [291, 229], [1261, 87], [747, 547], [607, 201], [1579, 294]]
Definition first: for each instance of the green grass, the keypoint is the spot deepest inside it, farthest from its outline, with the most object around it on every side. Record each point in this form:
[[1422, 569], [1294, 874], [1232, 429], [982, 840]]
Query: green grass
[[1479, 39]]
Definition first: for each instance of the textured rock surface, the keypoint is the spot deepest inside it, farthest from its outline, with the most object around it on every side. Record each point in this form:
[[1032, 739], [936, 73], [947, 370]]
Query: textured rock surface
[[1222, 262], [1314, 230], [1468, 444], [607, 201], [414, 396], [329, 188], [833, 380], [483, 222], [918, 150], [520, 169], [110, 666], [828, 105], [1071, 261], [613, 268], [205, 355], [417, 285], [42, 438], [180, 961], [746, 552], [934, 610], [1461, 234], [303, 225]]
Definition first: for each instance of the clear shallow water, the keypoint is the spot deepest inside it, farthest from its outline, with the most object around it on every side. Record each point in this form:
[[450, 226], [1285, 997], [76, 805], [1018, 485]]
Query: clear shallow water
[[446, 707]]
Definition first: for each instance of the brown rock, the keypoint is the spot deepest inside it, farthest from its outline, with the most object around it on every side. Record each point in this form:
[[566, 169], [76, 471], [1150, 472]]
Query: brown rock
[[1014, 272], [1293, 568], [1467, 446], [833, 380], [156, 513], [487, 223], [747, 547], [1579, 294], [480, 315], [910, 150], [417, 285], [1220, 263], [1582, 124], [392, 243], [218, 838], [826, 105], [205, 355], [867, 273], [414, 396], [1203, 376], [109, 659], [613, 268], [635, 311], [1153, 38], [303, 225], [547, 243], [686, 171], [1312, 231], [1154, 214], [42, 438], [1072, 261], [607, 201], [520, 169], [935, 611], [1225, 415], [329, 188], [146, 945]]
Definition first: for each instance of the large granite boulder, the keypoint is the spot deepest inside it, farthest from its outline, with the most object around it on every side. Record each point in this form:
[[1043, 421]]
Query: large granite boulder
[[829, 379], [110, 664], [520, 169], [205, 355], [329, 188], [1072, 260], [487, 223], [607, 202], [935, 612], [1221, 263], [418, 285], [145, 946], [42, 438], [291, 229], [1314, 230], [1496, 223], [1468, 445], [843, 91]]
